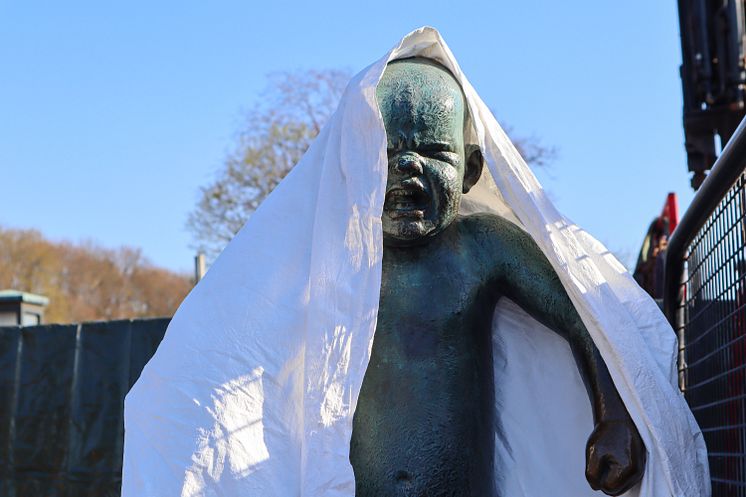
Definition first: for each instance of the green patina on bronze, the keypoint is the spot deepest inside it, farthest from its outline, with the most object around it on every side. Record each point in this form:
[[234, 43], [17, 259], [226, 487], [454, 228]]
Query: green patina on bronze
[[425, 422], [424, 114]]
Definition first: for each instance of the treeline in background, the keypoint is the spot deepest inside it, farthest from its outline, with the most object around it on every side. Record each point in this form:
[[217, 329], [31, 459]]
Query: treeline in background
[[85, 282]]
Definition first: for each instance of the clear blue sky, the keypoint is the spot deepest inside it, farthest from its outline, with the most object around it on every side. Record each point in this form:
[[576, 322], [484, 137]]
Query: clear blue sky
[[112, 114]]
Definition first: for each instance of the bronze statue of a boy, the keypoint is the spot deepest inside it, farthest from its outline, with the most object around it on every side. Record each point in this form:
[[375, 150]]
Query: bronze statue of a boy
[[425, 423]]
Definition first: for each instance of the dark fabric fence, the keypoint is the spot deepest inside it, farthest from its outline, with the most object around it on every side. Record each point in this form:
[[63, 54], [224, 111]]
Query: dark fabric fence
[[62, 391]]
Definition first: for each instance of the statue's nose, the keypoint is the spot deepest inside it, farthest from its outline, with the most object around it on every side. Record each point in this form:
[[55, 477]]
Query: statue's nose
[[409, 164]]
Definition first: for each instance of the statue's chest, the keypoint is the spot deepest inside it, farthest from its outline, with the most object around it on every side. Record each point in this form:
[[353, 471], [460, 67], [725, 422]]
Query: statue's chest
[[433, 307], [423, 423]]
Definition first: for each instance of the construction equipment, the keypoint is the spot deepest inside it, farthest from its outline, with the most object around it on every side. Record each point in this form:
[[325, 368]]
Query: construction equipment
[[713, 77]]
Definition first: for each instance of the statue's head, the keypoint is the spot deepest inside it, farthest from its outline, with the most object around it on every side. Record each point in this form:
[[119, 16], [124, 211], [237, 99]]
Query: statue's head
[[430, 166]]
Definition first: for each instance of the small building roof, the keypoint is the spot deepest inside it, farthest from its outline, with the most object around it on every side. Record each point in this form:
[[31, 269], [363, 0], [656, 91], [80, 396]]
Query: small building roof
[[17, 296]]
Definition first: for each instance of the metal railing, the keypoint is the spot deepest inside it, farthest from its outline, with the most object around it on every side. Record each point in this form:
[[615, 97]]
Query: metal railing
[[705, 302]]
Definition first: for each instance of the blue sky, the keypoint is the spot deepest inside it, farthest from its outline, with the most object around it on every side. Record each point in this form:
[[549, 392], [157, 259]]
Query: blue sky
[[112, 114]]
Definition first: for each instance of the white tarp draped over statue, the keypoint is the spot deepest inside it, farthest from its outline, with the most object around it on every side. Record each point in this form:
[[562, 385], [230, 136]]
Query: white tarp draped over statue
[[253, 388]]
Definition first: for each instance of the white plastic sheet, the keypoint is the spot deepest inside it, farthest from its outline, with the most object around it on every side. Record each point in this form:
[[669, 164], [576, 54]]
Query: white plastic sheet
[[253, 388]]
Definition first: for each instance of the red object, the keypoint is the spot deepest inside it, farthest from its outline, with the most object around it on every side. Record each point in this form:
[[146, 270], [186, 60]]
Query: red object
[[649, 270], [671, 212]]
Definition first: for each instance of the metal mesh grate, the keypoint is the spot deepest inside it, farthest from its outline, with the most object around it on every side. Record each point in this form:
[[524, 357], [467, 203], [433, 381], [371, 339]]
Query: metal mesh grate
[[713, 338]]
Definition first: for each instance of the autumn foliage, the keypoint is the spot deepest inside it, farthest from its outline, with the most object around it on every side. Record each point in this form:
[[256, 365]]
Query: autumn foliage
[[85, 282]]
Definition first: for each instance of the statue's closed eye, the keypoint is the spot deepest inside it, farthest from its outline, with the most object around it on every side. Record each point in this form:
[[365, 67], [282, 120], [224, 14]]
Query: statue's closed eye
[[434, 147], [440, 151]]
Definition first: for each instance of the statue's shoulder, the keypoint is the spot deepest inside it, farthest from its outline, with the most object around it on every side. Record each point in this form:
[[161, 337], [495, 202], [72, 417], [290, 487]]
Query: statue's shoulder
[[497, 234], [487, 225], [498, 240], [491, 240]]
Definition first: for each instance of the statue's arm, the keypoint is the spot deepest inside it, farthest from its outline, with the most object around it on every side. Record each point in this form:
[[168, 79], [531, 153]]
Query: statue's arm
[[530, 281], [615, 452]]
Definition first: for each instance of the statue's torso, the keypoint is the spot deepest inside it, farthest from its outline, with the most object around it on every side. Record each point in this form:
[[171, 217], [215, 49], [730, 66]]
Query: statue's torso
[[424, 421]]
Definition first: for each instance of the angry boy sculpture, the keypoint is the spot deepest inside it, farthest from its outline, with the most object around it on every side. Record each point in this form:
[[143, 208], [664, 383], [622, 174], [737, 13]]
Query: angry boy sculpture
[[425, 423]]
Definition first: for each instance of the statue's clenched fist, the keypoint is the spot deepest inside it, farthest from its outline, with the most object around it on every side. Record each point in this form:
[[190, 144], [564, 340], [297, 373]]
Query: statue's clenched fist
[[615, 457]]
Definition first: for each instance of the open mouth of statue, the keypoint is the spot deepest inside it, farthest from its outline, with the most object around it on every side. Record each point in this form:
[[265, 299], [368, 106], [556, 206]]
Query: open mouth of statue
[[406, 201]]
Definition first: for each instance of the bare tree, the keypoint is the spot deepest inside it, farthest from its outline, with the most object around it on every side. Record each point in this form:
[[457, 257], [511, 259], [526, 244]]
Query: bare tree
[[533, 151], [276, 133]]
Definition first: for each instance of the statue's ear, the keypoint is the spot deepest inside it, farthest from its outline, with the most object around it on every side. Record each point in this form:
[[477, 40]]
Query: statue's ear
[[473, 167]]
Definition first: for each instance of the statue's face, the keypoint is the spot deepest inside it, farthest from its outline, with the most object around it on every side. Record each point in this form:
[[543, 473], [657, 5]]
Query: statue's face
[[423, 112]]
